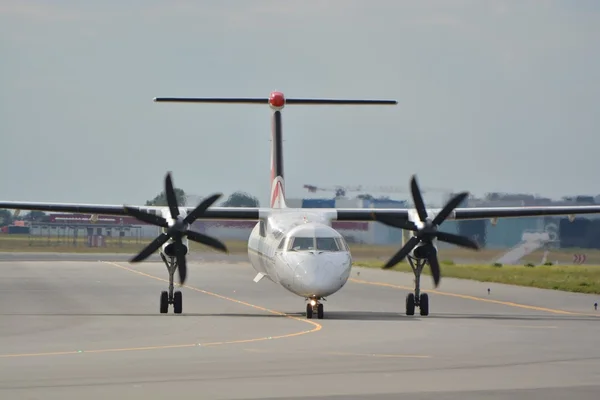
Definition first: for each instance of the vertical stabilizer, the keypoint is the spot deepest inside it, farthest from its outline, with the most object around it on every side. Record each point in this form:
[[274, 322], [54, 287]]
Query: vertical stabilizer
[[277, 179]]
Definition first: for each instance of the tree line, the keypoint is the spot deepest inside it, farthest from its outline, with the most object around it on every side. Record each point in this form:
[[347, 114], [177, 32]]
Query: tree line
[[236, 199]]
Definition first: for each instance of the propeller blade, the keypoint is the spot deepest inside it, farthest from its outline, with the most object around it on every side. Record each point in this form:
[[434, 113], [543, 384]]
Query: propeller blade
[[199, 210], [403, 252], [462, 241], [171, 197], [146, 217], [418, 199], [449, 207], [150, 248], [435, 267], [395, 222], [181, 262], [206, 240]]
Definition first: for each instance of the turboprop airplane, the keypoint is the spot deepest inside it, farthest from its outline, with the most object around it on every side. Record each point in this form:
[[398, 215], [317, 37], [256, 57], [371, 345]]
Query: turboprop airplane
[[297, 247]]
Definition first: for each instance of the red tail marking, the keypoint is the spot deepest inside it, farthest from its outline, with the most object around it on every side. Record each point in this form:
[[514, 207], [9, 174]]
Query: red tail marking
[[276, 193]]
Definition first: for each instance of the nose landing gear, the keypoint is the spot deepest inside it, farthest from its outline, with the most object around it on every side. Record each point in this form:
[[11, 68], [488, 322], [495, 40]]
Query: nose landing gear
[[314, 305]]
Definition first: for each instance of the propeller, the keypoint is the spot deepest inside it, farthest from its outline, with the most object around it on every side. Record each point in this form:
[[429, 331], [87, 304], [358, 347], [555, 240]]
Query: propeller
[[424, 236], [177, 229]]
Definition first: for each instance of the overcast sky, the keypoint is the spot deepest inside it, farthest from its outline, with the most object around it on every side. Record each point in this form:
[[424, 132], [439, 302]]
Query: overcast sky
[[493, 96]]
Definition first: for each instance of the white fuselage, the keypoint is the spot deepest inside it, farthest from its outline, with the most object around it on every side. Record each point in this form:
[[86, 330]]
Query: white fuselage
[[300, 251]]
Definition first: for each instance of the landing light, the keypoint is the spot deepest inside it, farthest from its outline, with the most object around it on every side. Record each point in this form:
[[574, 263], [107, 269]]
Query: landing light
[[313, 302]]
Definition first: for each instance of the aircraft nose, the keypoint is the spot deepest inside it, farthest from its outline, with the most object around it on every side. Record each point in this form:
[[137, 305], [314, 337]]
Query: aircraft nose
[[319, 274]]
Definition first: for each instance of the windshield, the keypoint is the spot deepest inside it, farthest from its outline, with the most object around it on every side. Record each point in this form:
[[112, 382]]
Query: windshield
[[327, 244], [302, 243], [320, 243]]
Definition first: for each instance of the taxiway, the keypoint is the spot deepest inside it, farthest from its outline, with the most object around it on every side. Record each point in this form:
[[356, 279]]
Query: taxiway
[[76, 326]]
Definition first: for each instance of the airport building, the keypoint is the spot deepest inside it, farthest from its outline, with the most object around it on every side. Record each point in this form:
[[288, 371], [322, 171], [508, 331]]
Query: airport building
[[66, 228]]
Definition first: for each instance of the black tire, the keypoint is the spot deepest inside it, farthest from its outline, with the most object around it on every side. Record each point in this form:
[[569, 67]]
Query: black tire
[[410, 304], [164, 302], [309, 311], [177, 302], [424, 304], [320, 311]]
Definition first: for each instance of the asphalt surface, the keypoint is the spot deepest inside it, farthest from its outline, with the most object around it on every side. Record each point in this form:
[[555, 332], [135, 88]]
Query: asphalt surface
[[54, 256], [79, 326]]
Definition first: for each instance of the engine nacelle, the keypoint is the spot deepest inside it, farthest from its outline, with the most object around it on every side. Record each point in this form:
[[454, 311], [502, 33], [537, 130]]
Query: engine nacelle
[[168, 248], [423, 250]]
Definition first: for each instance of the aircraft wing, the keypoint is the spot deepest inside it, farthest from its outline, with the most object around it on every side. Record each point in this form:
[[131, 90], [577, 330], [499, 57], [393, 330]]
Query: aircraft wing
[[221, 213], [516, 212], [342, 214], [369, 214]]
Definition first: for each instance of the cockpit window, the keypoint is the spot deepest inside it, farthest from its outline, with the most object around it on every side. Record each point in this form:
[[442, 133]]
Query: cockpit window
[[302, 243], [342, 244], [327, 244], [319, 243], [280, 247]]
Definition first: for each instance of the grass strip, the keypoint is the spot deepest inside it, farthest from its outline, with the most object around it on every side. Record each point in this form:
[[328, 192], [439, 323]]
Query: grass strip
[[569, 278]]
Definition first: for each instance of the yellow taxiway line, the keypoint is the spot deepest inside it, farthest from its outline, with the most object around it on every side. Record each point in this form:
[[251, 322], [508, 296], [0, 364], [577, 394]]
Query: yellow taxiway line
[[316, 327], [474, 298]]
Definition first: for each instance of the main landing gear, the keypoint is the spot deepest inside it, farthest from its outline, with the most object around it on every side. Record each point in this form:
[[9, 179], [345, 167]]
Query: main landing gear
[[170, 297], [314, 305], [417, 299]]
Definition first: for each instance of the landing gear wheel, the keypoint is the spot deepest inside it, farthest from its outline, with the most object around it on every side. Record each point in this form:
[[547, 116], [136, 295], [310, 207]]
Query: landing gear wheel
[[172, 296], [424, 304], [164, 302], [417, 299], [309, 311], [320, 311], [410, 304], [177, 302]]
